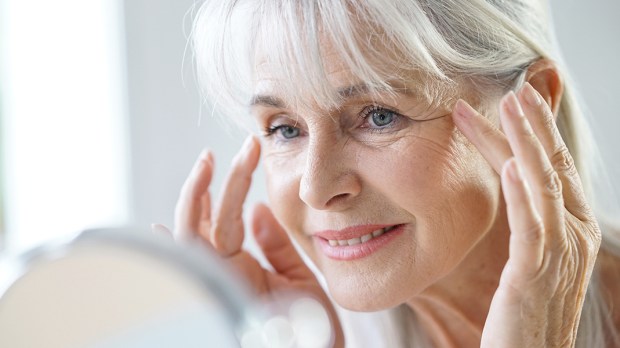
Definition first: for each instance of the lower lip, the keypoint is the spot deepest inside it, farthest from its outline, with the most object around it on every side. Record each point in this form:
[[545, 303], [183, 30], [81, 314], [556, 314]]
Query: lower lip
[[358, 251]]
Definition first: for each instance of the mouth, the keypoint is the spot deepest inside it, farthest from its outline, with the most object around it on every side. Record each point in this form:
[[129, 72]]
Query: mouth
[[363, 239], [356, 242]]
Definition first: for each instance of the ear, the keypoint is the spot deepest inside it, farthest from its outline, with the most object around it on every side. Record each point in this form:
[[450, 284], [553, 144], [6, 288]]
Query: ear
[[544, 76]]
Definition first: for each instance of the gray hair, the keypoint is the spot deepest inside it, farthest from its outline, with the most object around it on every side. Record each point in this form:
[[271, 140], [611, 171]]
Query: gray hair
[[487, 43]]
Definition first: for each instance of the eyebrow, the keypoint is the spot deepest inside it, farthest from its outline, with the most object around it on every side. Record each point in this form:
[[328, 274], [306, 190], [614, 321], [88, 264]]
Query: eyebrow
[[347, 92], [267, 100]]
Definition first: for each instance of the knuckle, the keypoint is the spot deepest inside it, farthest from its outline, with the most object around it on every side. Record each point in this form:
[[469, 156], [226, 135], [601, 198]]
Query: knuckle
[[552, 184], [526, 133], [535, 232], [562, 161], [488, 132]]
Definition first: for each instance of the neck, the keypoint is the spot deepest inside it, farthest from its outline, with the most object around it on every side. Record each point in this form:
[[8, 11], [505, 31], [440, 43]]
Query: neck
[[453, 311]]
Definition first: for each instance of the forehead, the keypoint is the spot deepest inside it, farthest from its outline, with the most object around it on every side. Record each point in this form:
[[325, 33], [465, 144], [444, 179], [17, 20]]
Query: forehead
[[269, 75], [339, 79], [311, 68]]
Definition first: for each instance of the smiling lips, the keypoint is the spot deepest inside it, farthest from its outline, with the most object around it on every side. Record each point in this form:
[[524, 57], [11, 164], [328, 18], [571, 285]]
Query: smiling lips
[[356, 241], [363, 239]]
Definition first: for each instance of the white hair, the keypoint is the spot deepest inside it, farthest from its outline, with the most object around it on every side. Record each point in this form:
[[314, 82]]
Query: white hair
[[487, 43]]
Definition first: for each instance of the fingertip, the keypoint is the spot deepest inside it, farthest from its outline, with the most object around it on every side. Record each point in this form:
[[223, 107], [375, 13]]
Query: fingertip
[[252, 148], [462, 110], [260, 213], [204, 160], [204, 154], [530, 95], [512, 104], [249, 154], [516, 188], [260, 208], [265, 226]]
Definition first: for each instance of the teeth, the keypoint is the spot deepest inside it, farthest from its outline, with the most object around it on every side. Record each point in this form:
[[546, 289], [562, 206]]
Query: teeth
[[363, 239], [354, 241]]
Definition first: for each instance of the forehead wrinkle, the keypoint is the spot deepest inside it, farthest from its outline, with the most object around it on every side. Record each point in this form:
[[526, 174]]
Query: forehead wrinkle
[[357, 90]]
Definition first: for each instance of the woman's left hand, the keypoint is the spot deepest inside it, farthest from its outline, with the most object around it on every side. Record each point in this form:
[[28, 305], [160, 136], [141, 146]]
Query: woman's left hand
[[554, 236]]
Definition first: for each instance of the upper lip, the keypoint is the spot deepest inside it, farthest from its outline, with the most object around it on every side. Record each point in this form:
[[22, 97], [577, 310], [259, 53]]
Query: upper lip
[[350, 232]]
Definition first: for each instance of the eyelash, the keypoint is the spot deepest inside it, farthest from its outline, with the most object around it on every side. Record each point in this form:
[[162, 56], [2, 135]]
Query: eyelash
[[365, 114], [271, 130], [369, 110]]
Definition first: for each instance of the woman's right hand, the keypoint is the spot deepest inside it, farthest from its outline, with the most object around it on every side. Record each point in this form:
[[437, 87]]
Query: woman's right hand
[[222, 227]]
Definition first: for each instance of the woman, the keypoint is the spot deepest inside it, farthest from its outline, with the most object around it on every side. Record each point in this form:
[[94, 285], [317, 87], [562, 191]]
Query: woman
[[411, 151]]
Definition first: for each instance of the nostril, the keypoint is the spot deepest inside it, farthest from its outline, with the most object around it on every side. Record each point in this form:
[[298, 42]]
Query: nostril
[[337, 198]]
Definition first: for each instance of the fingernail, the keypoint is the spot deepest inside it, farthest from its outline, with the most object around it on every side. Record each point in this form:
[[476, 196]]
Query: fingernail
[[464, 110], [513, 104], [247, 144], [201, 161], [530, 95], [204, 159], [204, 154], [246, 148]]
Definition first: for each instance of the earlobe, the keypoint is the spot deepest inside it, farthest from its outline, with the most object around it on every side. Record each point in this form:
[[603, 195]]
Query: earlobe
[[545, 77]]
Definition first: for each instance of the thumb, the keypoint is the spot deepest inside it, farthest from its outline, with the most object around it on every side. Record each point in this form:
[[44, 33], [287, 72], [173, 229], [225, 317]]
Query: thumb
[[276, 245]]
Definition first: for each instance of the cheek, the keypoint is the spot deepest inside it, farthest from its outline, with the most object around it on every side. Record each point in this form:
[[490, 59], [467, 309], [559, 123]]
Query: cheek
[[451, 192], [282, 187], [282, 179], [450, 196]]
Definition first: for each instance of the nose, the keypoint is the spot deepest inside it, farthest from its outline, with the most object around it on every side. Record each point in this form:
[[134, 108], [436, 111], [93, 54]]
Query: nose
[[329, 180]]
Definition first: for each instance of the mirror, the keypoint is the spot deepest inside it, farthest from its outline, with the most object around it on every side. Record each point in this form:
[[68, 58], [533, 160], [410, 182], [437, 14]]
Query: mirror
[[120, 288]]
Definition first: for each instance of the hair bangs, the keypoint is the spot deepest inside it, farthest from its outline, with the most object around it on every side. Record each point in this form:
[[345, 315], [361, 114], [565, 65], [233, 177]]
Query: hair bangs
[[298, 41], [287, 44], [222, 46]]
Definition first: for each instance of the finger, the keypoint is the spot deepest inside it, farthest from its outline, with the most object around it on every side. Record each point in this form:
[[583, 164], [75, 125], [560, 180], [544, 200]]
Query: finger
[[542, 120], [276, 245], [527, 231], [227, 230], [491, 143], [193, 209], [537, 170]]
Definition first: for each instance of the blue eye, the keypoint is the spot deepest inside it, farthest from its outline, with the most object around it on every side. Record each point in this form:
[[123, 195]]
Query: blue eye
[[287, 132], [379, 117]]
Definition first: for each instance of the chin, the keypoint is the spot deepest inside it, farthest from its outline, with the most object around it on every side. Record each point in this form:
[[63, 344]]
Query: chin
[[366, 287], [361, 300]]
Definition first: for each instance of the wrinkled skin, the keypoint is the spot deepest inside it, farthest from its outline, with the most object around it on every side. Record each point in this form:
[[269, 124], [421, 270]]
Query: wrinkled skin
[[498, 244]]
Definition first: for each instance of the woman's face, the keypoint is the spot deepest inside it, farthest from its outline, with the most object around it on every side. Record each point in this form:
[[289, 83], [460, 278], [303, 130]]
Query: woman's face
[[338, 178]]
